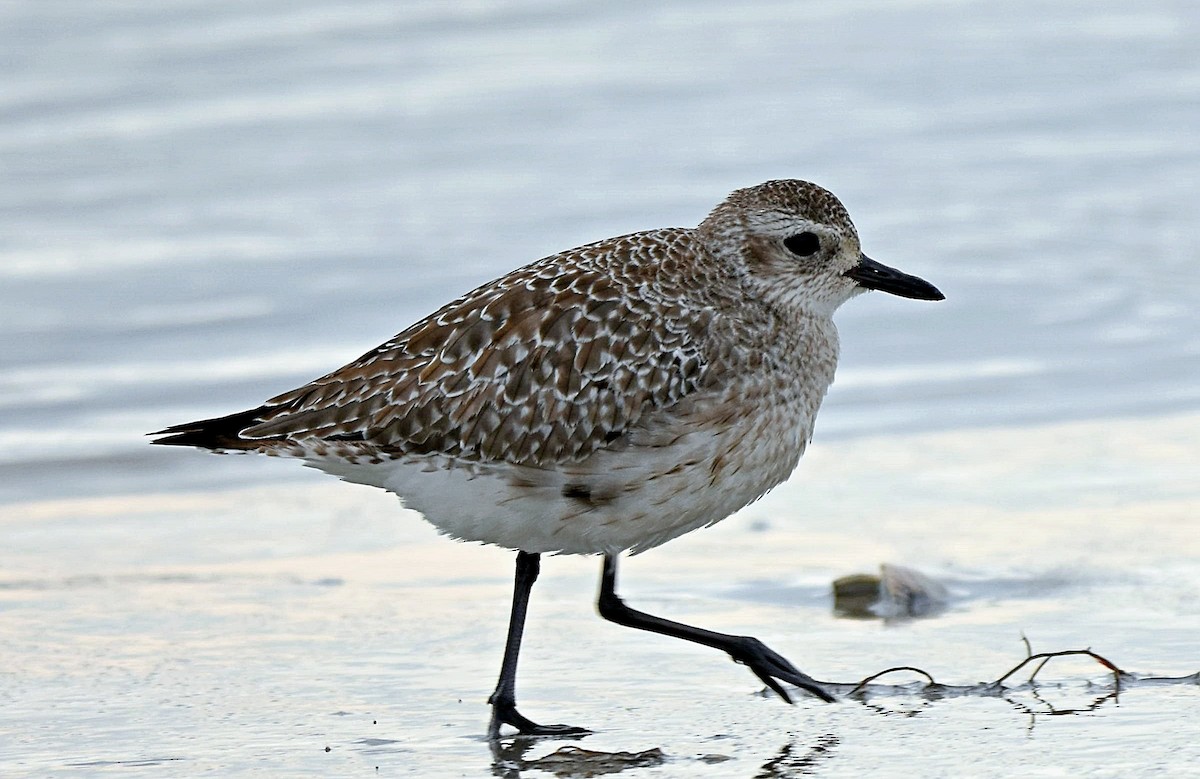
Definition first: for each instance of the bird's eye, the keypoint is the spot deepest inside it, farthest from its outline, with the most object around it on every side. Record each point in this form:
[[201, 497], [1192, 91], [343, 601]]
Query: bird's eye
[[804, 244]]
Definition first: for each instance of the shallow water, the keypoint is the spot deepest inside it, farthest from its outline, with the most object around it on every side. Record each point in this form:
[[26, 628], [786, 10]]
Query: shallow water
[[207, 203]]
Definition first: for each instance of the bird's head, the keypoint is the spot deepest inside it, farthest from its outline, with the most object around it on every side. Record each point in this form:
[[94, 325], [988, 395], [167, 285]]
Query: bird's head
[[794, 243]]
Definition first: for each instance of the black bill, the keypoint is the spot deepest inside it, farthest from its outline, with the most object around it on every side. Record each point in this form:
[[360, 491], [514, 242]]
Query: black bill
[[874, 275]]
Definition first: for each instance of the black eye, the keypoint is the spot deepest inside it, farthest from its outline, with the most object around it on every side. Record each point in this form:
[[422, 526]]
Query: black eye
[[804, 244]]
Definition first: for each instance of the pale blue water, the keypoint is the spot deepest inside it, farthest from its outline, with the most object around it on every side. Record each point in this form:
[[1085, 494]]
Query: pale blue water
[[205, 203]]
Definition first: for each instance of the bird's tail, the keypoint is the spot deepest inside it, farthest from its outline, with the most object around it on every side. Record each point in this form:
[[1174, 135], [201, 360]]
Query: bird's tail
[[217, 433]]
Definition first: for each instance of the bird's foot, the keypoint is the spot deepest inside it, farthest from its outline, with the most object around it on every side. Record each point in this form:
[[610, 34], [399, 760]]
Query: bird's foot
[[505, 713], [772, 668]]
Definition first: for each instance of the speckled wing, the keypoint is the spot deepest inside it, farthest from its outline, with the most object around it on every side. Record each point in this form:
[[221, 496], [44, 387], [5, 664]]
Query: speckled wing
[[540, 367]]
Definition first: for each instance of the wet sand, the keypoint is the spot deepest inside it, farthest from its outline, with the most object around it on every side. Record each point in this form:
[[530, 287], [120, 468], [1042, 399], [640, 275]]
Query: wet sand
[[249, 630]]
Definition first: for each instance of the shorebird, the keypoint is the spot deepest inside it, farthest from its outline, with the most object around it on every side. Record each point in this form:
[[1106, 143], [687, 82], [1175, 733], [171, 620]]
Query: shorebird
[[598, 401]]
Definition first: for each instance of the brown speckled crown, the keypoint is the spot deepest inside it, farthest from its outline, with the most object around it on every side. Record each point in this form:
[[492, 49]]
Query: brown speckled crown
[[781, 196]]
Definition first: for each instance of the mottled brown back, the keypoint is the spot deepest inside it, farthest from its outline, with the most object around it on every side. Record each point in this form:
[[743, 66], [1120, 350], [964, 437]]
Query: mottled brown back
[[540, 367]]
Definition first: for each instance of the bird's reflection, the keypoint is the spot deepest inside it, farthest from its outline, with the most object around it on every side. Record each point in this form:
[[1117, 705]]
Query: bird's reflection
[[509, 759], [794, 759]]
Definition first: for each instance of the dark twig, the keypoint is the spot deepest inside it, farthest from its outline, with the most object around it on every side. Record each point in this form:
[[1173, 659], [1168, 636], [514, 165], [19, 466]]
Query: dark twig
[[859, 687], [868, 690], [1045, 657]]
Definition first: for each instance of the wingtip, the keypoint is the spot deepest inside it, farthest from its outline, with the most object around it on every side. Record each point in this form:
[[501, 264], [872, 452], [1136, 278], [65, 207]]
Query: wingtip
[[176, 437], [217, 433]]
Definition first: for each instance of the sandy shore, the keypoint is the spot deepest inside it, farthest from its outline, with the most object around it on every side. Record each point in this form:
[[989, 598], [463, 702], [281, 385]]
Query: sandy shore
[[246, 631]]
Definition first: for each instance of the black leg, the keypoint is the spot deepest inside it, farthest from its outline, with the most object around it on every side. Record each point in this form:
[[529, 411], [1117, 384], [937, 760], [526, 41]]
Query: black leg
[[765, 663], [504, 699]]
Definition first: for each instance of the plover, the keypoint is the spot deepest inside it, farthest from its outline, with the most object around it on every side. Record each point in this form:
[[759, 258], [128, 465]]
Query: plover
[[602, 400]]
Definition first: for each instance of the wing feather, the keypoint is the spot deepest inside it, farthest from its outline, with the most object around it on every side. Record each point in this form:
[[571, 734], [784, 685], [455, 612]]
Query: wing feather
[[541, 367]]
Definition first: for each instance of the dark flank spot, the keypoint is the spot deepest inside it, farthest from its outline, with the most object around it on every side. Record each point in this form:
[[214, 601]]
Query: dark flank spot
[[611, 435], [591, 496], [588, 496], [580, 492]]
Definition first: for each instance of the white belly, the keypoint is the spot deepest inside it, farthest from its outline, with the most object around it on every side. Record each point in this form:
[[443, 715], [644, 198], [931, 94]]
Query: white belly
[[677, 475]]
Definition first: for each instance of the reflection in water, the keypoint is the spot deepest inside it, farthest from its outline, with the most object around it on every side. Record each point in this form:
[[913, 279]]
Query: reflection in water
[[930, 690], [909, 700], [509, 760], [1049, 708], [791, 761]]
